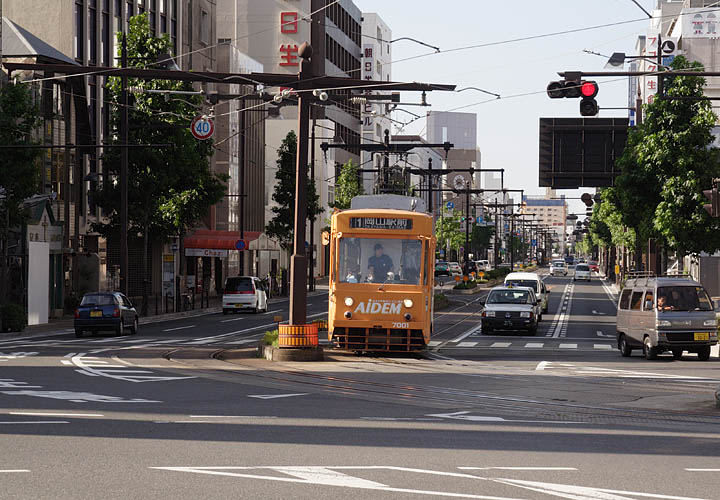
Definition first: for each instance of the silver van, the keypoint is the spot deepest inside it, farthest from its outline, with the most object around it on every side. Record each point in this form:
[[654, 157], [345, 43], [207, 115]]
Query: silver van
[[659, 314]]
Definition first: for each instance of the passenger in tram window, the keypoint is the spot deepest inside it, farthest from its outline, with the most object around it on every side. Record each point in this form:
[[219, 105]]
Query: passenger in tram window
[[379, 265]]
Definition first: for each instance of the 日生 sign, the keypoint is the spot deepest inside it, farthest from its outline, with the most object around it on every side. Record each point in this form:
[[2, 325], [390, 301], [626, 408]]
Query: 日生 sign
[[202, 127], [380, 223]]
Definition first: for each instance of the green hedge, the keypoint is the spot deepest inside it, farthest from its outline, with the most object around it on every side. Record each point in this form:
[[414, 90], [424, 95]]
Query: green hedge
[[271, 338], [441, 301], [12, 318], [498, 273], [465, 285]]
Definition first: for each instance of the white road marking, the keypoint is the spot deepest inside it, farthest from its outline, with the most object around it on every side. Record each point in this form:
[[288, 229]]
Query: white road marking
[[90, 366], [568, 346], [582, 492], [541, 365], [179, 328], [520, 468], [605, 347], [501, 344], [467, 344], [326, 476], [703, 470], [16, 355], [244, 341], [137, 341], [232, 416], [599, 313], [78, 397], [36, 422], [48, 414], [467, 333], [275, 311], [434, 343], [15, 470], [534, 345], [276, 396]]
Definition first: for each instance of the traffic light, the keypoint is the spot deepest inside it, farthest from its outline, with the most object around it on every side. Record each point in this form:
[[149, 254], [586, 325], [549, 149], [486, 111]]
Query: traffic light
[[572, 87], [588, 105], [713, 208]]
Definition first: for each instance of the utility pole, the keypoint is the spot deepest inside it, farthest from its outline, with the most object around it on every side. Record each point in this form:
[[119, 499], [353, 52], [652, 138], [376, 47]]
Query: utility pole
[[311, 268], [298, 260], [466, 253], [241, 184], [124, 260]]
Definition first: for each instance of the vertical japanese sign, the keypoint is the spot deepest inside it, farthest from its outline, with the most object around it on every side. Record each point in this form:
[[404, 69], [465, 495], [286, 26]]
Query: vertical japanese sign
[[649, 83], [368, 62], [289, 51]]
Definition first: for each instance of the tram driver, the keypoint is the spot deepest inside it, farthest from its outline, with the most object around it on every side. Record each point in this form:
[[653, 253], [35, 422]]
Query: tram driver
[[379, 265]]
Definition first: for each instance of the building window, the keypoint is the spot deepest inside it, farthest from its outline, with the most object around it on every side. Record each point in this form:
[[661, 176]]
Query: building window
[[204, 27], [79, 30], [92, 32]]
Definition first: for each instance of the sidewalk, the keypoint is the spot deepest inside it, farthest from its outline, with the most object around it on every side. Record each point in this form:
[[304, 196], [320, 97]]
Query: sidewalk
[[59, 326]]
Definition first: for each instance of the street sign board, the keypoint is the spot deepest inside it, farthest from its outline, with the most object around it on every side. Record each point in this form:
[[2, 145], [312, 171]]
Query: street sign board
[[202, 127], [450, 205], [533, 243], [240, 245]]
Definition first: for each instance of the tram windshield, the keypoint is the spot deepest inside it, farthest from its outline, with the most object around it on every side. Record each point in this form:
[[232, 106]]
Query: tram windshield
[[379, 260]]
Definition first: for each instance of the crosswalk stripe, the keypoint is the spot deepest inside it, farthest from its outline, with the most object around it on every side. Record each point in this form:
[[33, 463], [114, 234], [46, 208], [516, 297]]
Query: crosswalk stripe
[[568, 346], [534, 344], [468, 344], [501, 344], [434, 343], [604, 347]]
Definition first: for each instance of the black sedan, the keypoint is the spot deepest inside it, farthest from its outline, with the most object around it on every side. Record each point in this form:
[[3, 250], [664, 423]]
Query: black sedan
[[109, 311]]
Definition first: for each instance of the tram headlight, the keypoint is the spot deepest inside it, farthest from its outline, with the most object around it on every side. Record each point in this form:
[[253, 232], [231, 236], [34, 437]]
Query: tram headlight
[[408, 303], [349, 301]]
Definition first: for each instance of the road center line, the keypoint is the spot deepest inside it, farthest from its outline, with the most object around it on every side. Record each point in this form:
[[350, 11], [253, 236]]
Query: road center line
[[48, 414], [179, 328]]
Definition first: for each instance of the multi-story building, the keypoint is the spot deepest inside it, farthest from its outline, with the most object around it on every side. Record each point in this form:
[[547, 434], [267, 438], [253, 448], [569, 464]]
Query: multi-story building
[[271, 34], [460, 129], [85, 32], [549, 210], [376, 65]]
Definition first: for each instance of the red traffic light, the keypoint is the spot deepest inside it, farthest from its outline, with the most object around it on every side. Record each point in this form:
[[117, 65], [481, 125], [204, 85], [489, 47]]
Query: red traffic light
[[589, 89]]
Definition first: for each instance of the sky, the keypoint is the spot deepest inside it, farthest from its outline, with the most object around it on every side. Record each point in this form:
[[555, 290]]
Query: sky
[[508, 128]]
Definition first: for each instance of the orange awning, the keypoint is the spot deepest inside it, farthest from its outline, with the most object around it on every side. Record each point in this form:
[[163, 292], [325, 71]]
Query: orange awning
[[217, 240]]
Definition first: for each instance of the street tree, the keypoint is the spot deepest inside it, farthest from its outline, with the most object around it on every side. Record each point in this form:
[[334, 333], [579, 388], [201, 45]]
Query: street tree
[[448, 233], [281, 226], [169, 188], [20, 168], [348, 185], [481, 237]]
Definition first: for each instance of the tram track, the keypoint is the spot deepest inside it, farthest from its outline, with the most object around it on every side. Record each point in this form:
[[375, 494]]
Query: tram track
[[452, 398]]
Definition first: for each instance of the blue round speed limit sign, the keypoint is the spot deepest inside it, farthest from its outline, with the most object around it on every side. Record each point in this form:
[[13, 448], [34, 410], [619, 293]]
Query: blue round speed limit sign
[[202, 127]]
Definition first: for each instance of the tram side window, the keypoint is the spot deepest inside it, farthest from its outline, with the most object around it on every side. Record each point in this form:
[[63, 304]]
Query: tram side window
[[379, 260]]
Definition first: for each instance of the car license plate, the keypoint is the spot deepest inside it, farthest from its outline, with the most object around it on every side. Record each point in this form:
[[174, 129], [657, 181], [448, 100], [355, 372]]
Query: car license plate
[[96, 314], [238, 305], [508, 323], [702, 336]]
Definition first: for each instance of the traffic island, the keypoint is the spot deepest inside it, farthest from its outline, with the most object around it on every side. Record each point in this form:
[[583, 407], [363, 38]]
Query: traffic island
[[293, 343]]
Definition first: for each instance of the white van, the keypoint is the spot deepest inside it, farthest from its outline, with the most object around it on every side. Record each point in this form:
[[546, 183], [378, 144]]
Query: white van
[[531, 280]]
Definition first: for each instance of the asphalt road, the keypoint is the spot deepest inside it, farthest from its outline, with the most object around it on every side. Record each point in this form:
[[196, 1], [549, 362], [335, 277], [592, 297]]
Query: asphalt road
[[184, 411]]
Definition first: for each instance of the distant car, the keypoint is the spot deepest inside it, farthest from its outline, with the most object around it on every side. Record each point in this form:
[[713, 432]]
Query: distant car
[[108, 311], [582, 272], [483, 265], [558, 268], [569, 260], [244, 292], [594, 266], [533, 281], [442, 269], [470, 267], [510, 308], [455, 268]]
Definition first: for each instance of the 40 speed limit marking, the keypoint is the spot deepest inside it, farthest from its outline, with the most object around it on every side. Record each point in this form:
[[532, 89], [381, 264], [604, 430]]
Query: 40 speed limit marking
[[202, 127]]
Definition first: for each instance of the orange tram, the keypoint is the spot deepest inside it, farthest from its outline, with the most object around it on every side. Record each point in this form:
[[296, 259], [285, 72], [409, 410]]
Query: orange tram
[[382, 264]]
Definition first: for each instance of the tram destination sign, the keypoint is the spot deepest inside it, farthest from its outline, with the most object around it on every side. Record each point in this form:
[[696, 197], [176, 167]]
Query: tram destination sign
[[380, 223]]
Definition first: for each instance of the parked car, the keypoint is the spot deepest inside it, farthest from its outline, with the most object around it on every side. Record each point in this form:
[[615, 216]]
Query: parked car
[[483, 265], [244, 292], [442, 269], [531, 280], [594, 266], [108, 311], [510, 308], [470, 267], [665, 314], [558, 268], [582, 272], [455, 268]]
